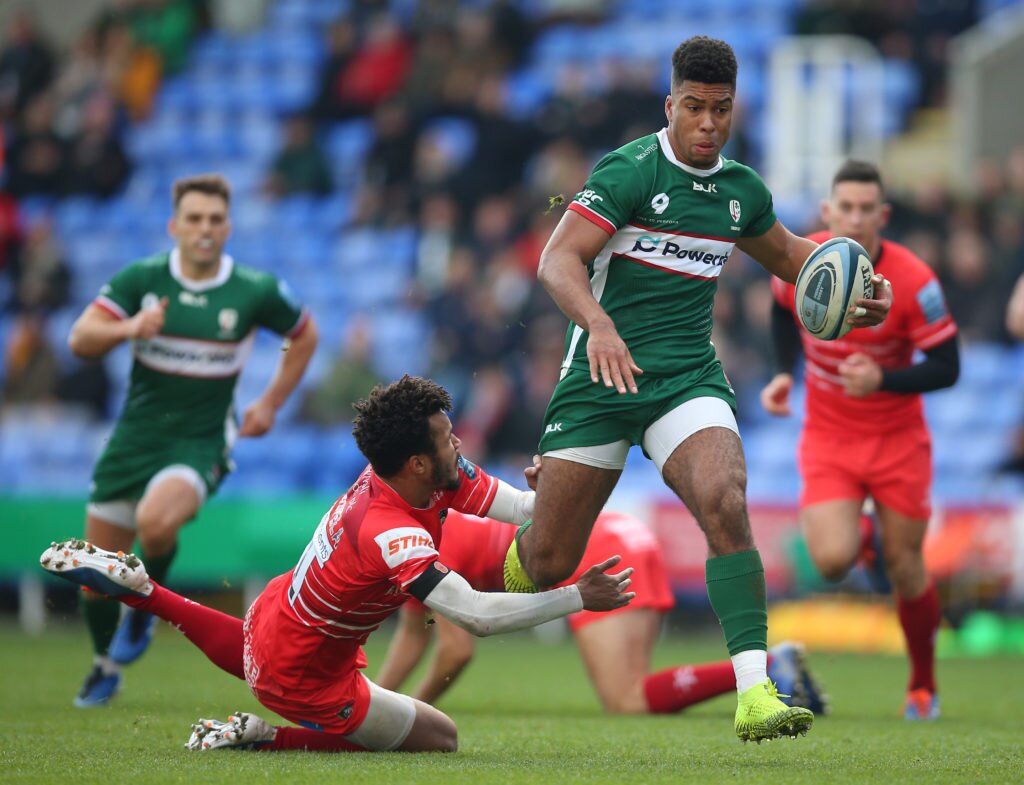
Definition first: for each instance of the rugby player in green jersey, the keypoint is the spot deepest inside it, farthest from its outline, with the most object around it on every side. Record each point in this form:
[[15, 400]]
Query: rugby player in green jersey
[[191, 315], [634, 264]]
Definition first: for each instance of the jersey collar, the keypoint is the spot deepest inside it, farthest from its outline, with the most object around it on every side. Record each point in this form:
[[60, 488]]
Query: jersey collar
[[227, 264], [666, 148]]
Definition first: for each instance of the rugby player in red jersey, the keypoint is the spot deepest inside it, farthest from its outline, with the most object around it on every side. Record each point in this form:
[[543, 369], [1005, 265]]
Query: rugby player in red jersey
[[300, 646], [616, 647], [864, 435]]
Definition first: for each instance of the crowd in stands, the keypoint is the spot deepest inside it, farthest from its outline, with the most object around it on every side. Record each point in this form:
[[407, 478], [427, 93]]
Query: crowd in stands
[[479, 180]]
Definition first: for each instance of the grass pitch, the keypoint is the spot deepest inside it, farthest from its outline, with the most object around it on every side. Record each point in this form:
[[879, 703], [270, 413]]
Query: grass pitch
[[525, 714]]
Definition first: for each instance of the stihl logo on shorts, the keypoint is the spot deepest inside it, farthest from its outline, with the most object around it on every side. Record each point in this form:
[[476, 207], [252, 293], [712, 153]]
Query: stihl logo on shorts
[[401, 545]]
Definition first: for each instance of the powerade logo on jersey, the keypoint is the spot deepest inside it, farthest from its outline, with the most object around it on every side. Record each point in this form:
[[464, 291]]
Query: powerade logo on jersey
[[401, 545], [647, 244]]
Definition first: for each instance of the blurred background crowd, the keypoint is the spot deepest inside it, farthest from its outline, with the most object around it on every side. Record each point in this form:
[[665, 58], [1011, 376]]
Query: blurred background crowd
[[399, 163]]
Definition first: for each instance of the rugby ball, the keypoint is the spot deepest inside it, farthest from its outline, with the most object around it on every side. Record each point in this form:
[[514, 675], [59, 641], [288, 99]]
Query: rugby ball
[[834, 277]]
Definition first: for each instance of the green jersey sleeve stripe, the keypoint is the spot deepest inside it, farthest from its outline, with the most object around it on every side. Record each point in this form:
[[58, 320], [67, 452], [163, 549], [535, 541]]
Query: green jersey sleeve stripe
[[108, 305]]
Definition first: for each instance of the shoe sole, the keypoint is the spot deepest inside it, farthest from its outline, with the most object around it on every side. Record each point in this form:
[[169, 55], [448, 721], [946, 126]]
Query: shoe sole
[[83, 563], [792, 722]]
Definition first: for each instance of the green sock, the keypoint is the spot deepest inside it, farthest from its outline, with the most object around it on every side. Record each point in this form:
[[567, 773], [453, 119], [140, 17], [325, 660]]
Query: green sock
[[737, 593], [157, 567], [101, 617]]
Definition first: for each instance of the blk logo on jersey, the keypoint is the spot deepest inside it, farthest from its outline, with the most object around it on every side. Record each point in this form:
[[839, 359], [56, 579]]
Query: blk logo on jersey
[[708, 188]]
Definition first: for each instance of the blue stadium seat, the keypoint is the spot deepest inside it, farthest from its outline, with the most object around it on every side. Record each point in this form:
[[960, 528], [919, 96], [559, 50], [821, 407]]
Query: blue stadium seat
[[346, 145]]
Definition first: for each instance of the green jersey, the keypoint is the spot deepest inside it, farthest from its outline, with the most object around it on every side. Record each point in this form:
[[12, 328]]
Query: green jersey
[[183, 380], [672, 228]]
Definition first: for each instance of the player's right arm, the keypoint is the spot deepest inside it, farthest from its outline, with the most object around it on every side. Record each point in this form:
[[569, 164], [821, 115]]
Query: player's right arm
[[609, 199], [563, 272], [99, 329], [491, 613]]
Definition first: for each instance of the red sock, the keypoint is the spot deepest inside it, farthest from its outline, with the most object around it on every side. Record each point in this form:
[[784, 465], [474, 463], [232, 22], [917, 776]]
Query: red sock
[[920, 620], [291, 738], [218, 635], [674, 689]]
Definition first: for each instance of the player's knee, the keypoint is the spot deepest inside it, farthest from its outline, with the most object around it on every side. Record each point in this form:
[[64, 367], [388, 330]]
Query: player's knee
[[157, 530], [832, 565], [548, 566], [447, 736]]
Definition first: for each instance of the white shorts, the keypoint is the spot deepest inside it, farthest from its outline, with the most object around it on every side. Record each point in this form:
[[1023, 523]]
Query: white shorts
[[388, 720], [661, 438], [121, 512]]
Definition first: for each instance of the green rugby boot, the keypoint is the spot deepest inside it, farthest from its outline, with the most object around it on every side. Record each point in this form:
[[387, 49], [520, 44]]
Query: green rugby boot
[[761, 715], [516, 579]]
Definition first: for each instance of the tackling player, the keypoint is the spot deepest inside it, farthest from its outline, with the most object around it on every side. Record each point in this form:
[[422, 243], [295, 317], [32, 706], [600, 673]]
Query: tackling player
[[634, 264], [616, 647], [300, 646], [191, 315], [864, 434]]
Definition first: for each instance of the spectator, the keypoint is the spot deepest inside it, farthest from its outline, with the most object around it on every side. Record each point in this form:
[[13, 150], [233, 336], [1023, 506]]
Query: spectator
[[375, 72], [41, 277], [31, 367], [300, 166], [342, 45], [26, 66], [36, 157], [10, 234], [97, 163], [350, 377]]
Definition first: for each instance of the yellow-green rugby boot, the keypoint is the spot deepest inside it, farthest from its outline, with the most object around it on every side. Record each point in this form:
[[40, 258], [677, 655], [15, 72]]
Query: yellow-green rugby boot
[[761, 715]]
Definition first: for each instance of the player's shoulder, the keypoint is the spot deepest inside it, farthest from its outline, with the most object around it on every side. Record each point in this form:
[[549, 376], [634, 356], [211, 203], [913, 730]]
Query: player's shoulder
[[900, 263], [252, 276], [738, 169], [632, 159], [819, 237], [153, 265]]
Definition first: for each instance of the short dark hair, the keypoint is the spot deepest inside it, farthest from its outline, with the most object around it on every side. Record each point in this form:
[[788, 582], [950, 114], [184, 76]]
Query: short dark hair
[[212, 184], [392, 423], [705, 60], [854, 171]]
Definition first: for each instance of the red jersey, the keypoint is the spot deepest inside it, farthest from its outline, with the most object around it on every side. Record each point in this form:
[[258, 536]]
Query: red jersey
[[918, 320], [355, 571]]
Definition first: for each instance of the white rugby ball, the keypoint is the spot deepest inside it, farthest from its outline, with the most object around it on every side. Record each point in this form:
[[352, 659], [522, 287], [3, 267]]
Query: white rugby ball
[[832, 279]]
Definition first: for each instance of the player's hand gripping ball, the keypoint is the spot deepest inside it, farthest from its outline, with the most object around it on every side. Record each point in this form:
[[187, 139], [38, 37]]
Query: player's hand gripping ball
[[834, 277]]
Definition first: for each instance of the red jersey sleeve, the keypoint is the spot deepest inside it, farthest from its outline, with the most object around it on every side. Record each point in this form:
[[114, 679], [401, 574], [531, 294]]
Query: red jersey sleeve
[[784, 293], [928, 321], [475, 492]]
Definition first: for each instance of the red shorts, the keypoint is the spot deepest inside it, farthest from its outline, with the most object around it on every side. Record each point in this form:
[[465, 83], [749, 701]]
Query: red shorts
[[336, 703], [894, 469], [649, 579]]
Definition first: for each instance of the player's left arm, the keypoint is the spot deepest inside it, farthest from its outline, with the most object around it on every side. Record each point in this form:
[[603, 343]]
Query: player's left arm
[[862, 376], [295, 355], [783, 254]]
